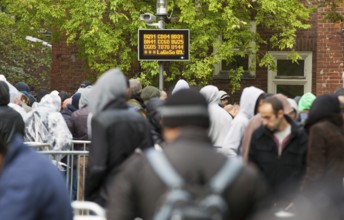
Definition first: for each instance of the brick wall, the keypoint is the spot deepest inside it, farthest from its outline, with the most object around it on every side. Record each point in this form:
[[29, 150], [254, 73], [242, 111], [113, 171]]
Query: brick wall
[[330, 54], [67, 70]]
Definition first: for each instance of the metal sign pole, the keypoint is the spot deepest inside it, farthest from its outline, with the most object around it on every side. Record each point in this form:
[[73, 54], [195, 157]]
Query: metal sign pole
[[161, 64]]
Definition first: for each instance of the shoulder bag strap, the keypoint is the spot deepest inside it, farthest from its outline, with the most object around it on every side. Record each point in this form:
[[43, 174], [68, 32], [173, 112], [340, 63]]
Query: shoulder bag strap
[[164, 169]]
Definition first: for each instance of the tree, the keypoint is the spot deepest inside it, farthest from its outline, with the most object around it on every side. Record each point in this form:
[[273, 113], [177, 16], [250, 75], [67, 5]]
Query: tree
[[106, 31], [21, 60]]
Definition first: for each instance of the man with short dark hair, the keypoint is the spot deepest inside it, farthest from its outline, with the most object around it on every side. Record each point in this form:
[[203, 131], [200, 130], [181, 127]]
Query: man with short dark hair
[[137, 190], [279, 148]]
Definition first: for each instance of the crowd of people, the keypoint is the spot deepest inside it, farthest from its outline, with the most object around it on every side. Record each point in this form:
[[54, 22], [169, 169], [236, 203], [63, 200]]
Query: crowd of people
[[292, 148]]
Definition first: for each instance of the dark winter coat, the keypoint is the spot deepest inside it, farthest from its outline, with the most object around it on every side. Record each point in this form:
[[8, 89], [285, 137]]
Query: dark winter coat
[[325, 160], [67, 115], [154, 119], [137, 190], [79, 125], [285, 173], [31, 187], [116, 133]]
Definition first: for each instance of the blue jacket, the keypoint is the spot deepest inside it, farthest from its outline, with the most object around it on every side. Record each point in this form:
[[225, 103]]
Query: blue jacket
[[31, 187]]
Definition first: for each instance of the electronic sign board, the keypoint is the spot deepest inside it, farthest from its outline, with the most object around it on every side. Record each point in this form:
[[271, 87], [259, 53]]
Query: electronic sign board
[[164, 44]]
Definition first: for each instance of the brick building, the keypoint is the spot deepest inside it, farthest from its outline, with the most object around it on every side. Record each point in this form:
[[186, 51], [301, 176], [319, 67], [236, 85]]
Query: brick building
[[320, 70]]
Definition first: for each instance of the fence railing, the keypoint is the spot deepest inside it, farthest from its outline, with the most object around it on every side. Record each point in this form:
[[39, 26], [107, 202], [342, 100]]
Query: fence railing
[[72, 164]]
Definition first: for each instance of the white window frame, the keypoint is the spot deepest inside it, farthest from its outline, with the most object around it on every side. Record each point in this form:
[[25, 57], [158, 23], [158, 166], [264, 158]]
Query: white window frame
[[251, 57], [305, 80]]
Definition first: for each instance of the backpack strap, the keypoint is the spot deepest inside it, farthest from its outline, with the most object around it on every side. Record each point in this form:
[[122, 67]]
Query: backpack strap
[[164, 169], [226, 175]]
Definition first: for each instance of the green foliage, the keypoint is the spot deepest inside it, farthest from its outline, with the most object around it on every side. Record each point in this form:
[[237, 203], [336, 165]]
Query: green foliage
[[21, 60], [332, 15], [106, 31]]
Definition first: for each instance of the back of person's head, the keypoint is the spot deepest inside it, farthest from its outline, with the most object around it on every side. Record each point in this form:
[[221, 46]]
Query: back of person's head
[[306, 101], [135, 87], [75, 100], [52, 101], [324, 107], [149, 92], [85, 84], [260, 98], [275, 103], [64, 95], [287, 108], [111, 86], [181, 84], [4, 94], [186, 107], [211, 93], [21, 86]]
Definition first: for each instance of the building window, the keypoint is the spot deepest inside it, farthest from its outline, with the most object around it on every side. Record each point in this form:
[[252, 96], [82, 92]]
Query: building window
[[247, 62], [290, 78]]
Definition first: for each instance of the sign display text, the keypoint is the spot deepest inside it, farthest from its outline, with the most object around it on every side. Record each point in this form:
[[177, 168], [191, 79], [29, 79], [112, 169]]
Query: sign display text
[[163, 44]]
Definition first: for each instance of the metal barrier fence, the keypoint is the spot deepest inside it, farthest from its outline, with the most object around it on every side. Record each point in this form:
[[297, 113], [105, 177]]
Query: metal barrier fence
[[71, 163]]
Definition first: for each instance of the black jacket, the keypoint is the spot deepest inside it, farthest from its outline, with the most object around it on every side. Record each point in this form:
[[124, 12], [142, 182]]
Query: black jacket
[[116, 132], [285, 173], [11, 123], [137, 190]]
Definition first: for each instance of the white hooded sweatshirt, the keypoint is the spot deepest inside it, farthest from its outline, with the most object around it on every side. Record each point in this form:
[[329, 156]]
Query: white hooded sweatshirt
[[220, 120], [232, 142]]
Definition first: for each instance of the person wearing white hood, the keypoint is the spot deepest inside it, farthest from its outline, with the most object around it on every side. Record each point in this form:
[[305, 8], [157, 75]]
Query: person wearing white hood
[[248, 104], [220, 120], [181, 84]]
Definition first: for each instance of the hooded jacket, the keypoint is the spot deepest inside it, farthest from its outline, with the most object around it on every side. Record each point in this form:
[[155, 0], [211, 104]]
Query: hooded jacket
[[325, 159], [248, 102], [46, 124], [31, 188], [79, 119], [220, 120], [181, 84], [116, 132]]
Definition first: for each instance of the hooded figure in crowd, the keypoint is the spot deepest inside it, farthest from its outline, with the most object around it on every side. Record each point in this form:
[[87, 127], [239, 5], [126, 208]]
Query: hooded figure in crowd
[[223, 98], [70, 108], [304, 105], [45, 124], [135, 101], [116, 132], [249, 102], [181, 84], [79, 117], [220, 120], [325, 160], [149, 92]]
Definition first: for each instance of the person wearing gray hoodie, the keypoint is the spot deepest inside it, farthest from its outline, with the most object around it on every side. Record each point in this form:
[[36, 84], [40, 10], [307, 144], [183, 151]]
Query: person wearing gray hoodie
[[220, 120], [248, 102]]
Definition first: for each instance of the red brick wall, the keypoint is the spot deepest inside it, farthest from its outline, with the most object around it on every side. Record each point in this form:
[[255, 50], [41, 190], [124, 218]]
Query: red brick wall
[[67, 70], [330, 54]]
